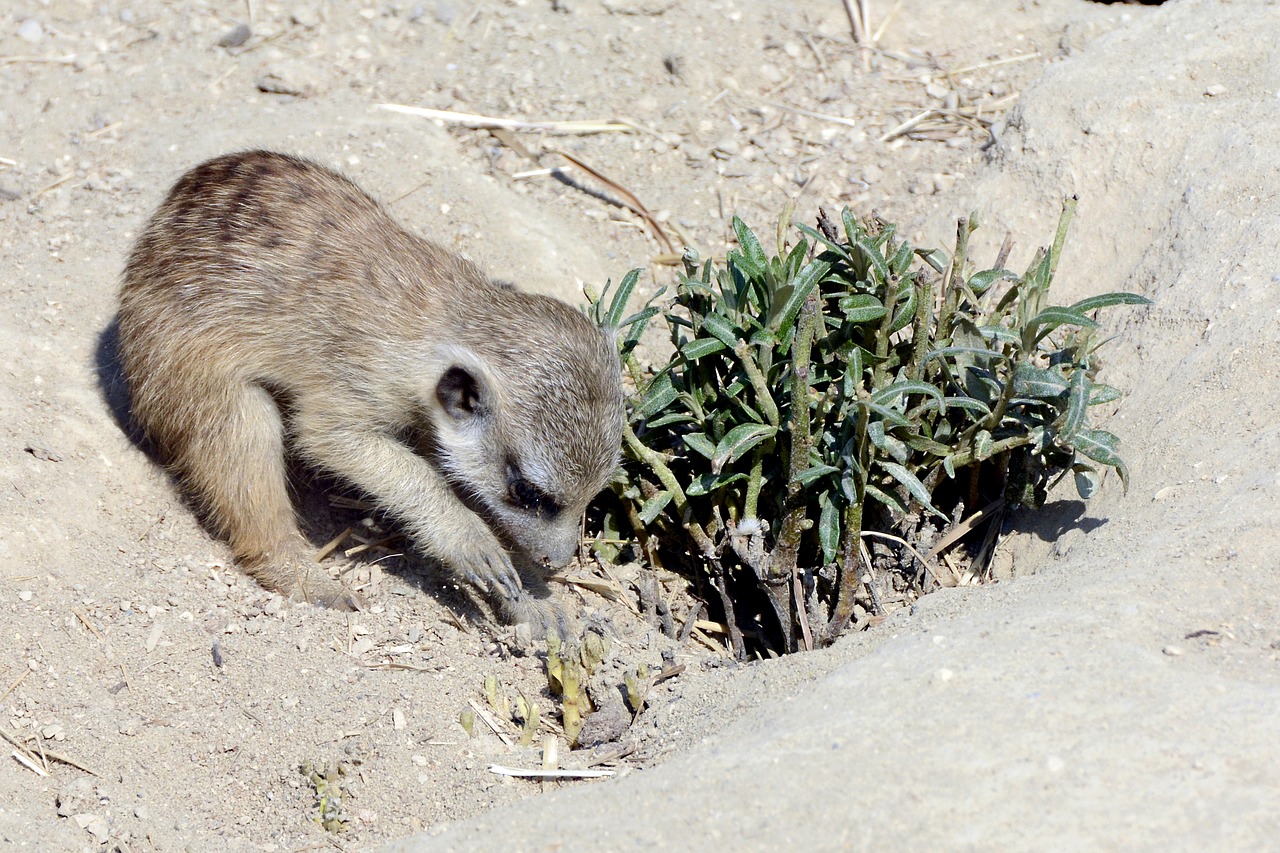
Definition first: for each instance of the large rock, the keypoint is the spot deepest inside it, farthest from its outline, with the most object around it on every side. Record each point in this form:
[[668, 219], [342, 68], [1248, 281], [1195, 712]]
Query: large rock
[[1128, 695]]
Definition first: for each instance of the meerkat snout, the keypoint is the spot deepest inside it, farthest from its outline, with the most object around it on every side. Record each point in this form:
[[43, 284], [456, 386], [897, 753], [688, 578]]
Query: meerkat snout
[[483, 418]]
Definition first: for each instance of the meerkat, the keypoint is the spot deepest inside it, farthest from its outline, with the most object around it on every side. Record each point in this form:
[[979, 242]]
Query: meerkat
[[270, 306]]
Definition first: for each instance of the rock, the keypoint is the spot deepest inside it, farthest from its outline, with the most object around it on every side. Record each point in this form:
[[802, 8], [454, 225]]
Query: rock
[[290, 77], [606, 725], [236, 36]]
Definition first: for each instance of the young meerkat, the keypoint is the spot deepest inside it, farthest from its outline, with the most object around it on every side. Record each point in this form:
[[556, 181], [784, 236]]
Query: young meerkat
[[271, 304]]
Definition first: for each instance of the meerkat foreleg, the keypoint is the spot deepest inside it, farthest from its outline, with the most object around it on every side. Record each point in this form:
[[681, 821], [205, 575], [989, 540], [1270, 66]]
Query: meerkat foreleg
[[410, 489]]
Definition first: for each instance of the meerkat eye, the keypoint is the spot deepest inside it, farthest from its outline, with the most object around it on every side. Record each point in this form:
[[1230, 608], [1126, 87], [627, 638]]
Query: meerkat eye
[[526, 496]]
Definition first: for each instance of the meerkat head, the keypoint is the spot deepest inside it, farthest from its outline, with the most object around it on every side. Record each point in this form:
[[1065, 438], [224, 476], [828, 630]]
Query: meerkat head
[[528, 429]]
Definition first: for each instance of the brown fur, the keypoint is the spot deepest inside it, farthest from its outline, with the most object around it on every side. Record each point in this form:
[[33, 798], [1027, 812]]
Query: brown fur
[[271, 301]]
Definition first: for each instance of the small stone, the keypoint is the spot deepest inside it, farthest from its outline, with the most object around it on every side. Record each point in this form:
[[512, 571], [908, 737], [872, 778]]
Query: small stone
[[236, 36], [941, 677], [289, 77], [1172, 651], [30, 30], [1216, 90], [25, 595], [397, 719]]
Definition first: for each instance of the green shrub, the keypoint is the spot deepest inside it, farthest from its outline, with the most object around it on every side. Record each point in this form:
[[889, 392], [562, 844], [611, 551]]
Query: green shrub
[[849, 387]]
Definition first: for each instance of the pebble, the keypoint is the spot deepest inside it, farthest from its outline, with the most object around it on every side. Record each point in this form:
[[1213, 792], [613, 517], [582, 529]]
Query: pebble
[[30, 30], [1172, 651], [236, 36]]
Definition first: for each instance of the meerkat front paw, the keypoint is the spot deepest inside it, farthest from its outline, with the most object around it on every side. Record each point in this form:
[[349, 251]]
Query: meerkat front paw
[[479, 558]]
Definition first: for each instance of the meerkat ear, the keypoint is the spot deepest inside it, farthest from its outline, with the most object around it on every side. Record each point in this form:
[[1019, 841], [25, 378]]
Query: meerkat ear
[[463, 393]]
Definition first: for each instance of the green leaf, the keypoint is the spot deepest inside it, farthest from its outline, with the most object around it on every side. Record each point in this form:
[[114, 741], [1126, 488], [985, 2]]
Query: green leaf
[[885, 442], [982, 444], [1077, 407], [889, 395], [654, 506], [808, 475], [613, 319], [913, 485], [1100, 446], [797, 292], [886, 499], [1030, 381], [702, 348], [861, 308], [641, 318], [699, 443], [901, 260], [828, 528], [968, 404], [1051, 318], [1099, 394], [1087, 480], [738, 441], [1106, 300], [661, 393], [925, 445], [669, 419], [707, 483], [889, 415], [980, 282], [815, 234], [946, 351], [907, 312], [998, 334], [935, 258], [752, 252], [721, 328]]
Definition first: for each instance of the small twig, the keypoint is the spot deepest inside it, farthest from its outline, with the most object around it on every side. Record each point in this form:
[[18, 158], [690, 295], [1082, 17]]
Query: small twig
[[52, 756], [689, 623], [539, 773], [14, 686], [957, 532], [979, 66], [907, 125], [29, 763], [629, 199], [69, 59], [480, 122], [85, 621], [928, 565], [329, 547], [491, 721]]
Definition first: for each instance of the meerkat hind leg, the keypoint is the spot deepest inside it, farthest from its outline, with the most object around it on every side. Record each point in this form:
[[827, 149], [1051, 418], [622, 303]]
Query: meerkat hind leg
[[235, 463]]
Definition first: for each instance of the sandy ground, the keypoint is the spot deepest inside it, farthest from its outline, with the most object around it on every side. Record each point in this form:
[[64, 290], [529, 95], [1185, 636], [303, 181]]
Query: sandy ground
[[1122, 692]]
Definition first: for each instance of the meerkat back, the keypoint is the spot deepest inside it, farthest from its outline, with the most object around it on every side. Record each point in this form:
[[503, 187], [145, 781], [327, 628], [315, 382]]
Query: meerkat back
[[271, 301]]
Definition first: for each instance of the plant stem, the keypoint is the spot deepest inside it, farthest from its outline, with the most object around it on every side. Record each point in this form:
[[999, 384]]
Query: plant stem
[[960, 460], [952, 289], [880, 373], [752, 501], [788, 547], [765, 399], [654, 460], [920, 337]]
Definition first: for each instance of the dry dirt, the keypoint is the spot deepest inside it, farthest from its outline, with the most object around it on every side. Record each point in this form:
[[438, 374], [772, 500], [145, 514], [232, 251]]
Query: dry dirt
[[1123, 691]]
